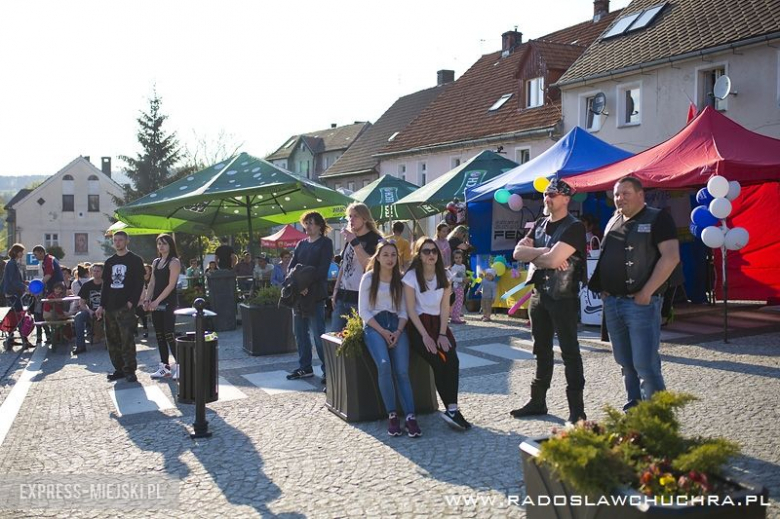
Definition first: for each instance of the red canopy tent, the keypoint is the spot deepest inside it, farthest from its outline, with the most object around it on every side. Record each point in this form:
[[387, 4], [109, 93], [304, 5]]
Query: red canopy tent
[[287, 238], [713, 144]]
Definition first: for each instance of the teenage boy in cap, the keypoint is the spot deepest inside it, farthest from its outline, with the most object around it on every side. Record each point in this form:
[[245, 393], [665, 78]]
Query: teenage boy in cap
[[556, 248]]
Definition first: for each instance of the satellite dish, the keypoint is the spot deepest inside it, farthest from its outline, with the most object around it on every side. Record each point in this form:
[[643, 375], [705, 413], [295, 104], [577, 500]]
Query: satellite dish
[[599, 103], [722, 87]]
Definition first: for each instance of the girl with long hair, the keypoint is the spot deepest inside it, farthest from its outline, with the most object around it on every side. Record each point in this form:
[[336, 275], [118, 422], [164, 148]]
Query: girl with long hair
[[14, 288], [382, 307], [427, 290], [161, 300]]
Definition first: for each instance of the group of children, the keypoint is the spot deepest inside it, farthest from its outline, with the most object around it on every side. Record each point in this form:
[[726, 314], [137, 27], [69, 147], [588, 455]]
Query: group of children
[[460, 283]]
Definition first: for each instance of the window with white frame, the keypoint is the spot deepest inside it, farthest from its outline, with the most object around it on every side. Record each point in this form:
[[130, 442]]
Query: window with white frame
[[454, 162], [422, 172], [51, 240], [351, 186], [629, 105], [337, 186], [534, 92], [591, 120], [402, 171], [707, 79], [522, 155]]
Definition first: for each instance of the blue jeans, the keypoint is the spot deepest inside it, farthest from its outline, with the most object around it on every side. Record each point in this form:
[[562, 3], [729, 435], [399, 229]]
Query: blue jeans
[[391, 363], [302, 325], [80, 322], [337, 322], [635, 333]]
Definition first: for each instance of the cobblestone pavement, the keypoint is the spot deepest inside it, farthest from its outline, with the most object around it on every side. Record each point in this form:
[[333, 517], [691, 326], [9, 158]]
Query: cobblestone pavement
[[284, 454]]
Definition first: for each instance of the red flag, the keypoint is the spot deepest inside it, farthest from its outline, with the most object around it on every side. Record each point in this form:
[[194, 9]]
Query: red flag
[[692, 111]]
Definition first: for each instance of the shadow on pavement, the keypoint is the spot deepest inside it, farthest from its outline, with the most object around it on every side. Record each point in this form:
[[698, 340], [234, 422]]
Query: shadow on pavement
[[726, 365]]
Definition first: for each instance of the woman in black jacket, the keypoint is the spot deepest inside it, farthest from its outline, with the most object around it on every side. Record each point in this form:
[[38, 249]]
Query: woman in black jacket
[[14, 288]]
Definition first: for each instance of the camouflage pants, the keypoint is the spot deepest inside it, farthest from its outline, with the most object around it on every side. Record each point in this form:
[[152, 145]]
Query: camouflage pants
[[120, 339]]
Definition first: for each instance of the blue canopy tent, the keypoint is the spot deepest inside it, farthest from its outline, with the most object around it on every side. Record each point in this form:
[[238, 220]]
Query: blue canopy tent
[[576, 152]]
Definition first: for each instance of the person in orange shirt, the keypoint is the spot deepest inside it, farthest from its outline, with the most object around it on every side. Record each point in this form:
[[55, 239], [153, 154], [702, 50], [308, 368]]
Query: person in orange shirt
[[404, 250]]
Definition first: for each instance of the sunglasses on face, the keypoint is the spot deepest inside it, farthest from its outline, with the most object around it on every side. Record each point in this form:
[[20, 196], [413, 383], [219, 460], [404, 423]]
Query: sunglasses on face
[[428, 252], [551, 195]]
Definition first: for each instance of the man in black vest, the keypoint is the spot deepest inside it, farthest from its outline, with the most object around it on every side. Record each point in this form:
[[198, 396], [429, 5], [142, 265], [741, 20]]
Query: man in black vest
[[639, 253], [556, 249]]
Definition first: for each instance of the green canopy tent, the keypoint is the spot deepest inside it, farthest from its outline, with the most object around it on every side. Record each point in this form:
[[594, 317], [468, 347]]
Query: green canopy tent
[[235, 195], [433, 197], [130, 230], [382, 194]]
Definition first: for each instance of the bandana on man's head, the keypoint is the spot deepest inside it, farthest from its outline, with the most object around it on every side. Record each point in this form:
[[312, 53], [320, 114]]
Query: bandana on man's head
[[559, 187]]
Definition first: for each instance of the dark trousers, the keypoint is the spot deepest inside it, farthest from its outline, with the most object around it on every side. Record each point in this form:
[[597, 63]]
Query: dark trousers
[[549, 317], [141, 313], [164, 322], [120, 325], [446, 371]]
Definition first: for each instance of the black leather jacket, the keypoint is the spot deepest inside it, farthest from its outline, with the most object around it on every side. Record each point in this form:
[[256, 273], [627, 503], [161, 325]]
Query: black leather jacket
[[558, 284]]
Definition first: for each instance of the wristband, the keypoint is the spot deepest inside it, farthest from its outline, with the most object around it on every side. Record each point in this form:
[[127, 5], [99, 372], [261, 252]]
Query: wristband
[[355, 242]]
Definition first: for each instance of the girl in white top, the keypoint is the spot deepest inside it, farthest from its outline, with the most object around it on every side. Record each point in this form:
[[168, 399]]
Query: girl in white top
[[382, 307], [427, 289]]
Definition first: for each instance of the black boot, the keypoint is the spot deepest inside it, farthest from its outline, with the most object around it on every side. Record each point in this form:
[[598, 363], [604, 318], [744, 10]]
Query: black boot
[[576, 406], [536, 406]]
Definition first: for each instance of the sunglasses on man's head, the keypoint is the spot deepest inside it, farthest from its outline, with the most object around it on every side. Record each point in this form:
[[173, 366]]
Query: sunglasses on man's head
[[428, 252]]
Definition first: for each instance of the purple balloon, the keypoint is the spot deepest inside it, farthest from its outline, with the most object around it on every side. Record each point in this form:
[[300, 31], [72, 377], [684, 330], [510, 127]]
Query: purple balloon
[[703, 197], [702, 217]]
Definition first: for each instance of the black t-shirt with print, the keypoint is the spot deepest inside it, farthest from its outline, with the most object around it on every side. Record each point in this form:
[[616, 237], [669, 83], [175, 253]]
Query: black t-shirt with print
[[90, 292]]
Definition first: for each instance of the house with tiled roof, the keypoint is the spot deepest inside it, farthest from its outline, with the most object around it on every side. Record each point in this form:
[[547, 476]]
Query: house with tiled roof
[[358, 166], [311, 154], [661, 58], [504, 100]]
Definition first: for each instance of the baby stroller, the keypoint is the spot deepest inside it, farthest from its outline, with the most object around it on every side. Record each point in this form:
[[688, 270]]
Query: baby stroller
[[18, 319]]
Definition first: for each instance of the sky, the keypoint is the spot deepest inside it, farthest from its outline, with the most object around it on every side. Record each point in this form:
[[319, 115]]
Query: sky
[[75, 75]]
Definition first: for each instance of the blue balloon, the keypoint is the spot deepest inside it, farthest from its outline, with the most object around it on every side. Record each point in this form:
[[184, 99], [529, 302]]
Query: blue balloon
[[703, 197], [702, 217], [36, 287], [695, 230]]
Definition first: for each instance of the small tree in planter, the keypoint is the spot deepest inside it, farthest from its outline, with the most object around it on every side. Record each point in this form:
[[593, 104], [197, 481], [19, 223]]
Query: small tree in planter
[[268, 328], [640, 455]]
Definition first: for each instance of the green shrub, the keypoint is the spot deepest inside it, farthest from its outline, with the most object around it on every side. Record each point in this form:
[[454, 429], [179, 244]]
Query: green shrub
[[264, 296]]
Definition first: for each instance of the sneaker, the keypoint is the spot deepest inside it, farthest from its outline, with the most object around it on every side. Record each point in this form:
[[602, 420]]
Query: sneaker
[[394, 426], [116, 375], [131, 378], [412, 429], [300, 373], [455, 420], [164, 371]]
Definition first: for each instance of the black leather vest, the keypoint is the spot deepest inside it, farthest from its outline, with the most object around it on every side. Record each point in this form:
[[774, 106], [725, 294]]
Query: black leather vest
[[641, 254], [558, 284]]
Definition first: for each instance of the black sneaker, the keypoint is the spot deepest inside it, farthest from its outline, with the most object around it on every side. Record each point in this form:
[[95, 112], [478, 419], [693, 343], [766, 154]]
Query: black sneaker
[[300, 373], [116, 375], [131, 378], [455, 420]]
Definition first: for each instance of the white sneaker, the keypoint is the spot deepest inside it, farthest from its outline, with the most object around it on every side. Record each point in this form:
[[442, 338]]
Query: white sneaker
[[175, 371], [162, 372]]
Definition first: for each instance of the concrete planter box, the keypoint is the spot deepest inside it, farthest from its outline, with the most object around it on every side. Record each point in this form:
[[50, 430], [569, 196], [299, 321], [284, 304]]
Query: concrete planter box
[[353, 389], [268, 330], [552, 498]]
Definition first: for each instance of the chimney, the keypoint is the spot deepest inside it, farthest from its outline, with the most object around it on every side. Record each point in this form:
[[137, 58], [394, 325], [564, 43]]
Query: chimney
[[600, 9], [105, 166], [332, 125], [86, 157], [444, 76], [511, 40]]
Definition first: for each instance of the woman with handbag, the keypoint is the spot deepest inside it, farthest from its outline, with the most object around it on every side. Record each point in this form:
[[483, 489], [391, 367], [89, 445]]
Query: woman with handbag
[[13, 287]]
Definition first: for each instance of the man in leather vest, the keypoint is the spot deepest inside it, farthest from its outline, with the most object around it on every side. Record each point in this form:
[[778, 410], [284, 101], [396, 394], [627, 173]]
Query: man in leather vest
[[638, 254], [556, 249]]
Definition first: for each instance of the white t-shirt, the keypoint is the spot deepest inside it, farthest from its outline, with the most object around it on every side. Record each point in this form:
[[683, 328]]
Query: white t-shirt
[[428, 302], [384, 300]]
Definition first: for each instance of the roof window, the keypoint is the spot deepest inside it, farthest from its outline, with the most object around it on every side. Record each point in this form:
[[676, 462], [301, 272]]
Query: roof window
[[393, 136], [498, 104], [634, 21]]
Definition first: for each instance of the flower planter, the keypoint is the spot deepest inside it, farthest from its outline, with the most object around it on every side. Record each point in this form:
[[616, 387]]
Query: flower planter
[[268, 330], [353, 389], [549, 497]]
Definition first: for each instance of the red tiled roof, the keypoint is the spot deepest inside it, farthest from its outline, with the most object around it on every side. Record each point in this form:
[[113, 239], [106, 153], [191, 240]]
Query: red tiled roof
[[461, 113], [683, 26], [330, 139], [359, 157]]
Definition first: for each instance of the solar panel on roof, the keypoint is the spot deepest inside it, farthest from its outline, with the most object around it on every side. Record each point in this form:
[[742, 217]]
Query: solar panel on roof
[[621, 25], [646, 18]]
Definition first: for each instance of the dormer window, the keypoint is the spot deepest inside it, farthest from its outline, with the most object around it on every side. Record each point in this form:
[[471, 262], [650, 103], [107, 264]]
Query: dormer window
[[498, 104], [534, 92]]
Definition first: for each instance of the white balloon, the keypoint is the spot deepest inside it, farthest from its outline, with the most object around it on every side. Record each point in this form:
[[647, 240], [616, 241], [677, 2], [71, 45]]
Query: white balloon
[[718, 186], [720, 208], [734, 190], [515, 202], [712, 237], [736, 238]]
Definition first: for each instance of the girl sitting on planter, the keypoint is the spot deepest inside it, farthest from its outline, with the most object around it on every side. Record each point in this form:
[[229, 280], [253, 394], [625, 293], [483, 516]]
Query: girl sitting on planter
[[427, 290], [382, 307]]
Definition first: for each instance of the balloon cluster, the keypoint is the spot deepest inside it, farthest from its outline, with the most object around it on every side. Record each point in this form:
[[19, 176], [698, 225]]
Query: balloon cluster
[[504, 196], [499, 265], [715, 205]]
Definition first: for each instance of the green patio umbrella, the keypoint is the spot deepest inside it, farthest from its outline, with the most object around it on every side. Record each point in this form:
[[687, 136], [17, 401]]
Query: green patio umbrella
[[433, 197], [382, 194], [236, 195]]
